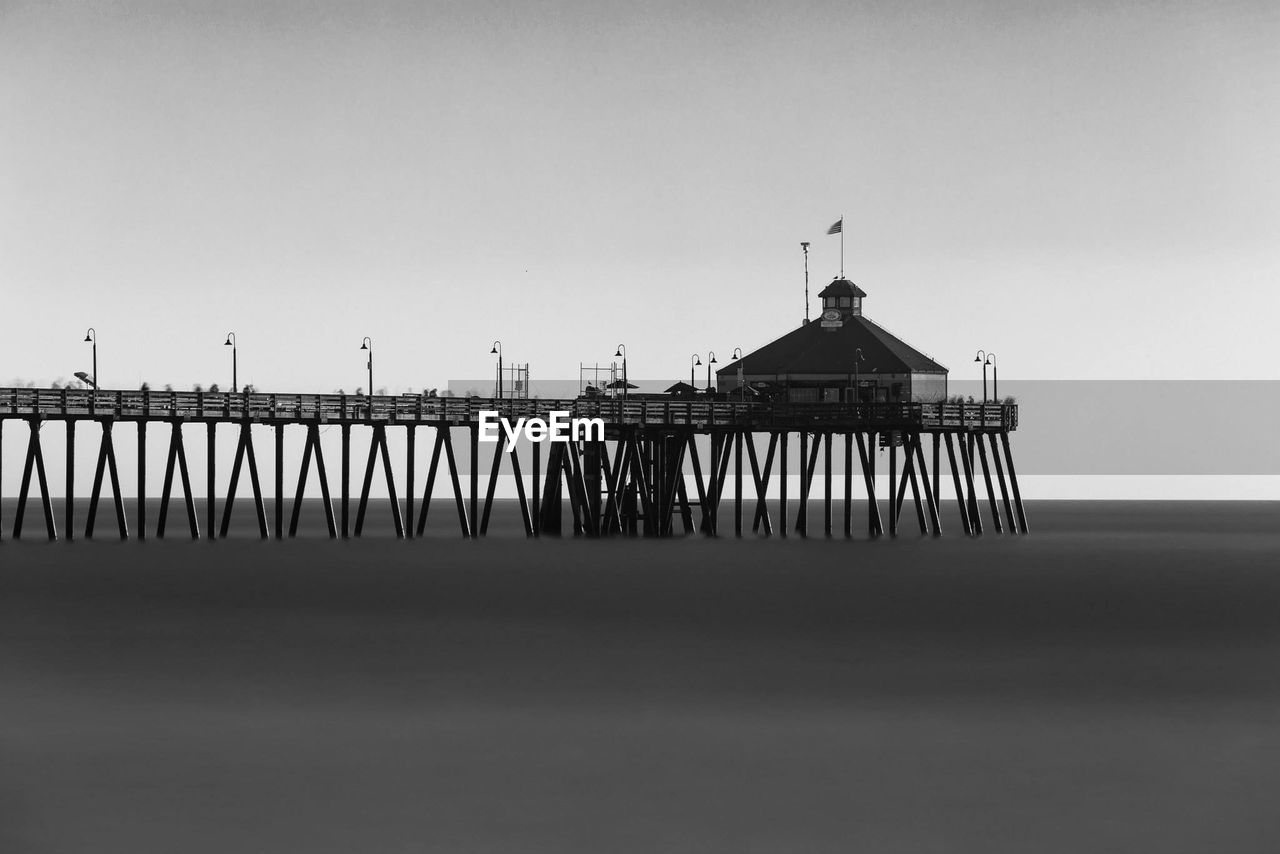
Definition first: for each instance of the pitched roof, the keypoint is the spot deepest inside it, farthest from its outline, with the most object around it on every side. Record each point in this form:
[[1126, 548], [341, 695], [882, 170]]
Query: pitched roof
[[842, 288], [812, 349]]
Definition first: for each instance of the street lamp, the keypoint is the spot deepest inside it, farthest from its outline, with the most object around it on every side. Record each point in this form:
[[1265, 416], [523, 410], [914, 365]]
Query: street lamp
[[982, 357], [622, 351], [858, 359], [497, 349], [367, 344], [231, 342], [742, 387], [711, 360], [697, 362], [995, 378], [92, 336]]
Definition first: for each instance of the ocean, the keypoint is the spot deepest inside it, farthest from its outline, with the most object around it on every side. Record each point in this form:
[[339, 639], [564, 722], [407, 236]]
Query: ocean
[[1110, 682]]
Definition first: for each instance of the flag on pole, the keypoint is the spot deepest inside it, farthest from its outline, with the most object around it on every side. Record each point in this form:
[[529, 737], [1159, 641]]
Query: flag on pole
[[837, 227]]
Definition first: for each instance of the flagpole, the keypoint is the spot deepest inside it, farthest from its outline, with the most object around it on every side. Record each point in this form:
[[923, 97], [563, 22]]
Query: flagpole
[[842, 246]]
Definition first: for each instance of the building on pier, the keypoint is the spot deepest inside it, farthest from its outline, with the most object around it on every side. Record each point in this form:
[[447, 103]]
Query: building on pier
[[819, 362]]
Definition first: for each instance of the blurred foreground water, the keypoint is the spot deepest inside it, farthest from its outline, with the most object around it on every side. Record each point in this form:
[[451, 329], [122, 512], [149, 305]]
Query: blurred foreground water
[[1108, 683]]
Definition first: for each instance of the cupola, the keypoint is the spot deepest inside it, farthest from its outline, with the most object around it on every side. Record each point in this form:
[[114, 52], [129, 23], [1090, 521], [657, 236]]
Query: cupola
[[843, 296]]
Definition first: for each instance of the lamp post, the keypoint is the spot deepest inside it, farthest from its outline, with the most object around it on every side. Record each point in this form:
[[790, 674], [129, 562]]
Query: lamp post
[[982, 357], [858, 358], [367, 344], [696, 363], [622, 351], [995, 378], [742, 391], [92, 336], [711, 360], [231, 342], [497, 349]]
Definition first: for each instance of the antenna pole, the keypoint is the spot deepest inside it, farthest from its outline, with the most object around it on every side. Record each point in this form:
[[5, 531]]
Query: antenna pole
[[804, 244]]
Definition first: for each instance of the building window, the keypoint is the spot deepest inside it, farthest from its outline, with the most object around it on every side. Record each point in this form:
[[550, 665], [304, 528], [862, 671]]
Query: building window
[[845, 302]]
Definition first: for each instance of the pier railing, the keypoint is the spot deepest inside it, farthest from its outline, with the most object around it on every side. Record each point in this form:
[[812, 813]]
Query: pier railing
[[63, 404]]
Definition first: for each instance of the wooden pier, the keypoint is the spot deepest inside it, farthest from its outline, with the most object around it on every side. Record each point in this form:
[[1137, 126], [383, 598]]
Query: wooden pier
[[633, 482]]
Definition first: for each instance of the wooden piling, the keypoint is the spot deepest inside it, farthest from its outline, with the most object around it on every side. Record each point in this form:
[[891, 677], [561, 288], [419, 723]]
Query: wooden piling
[[279, 502], [965, 519], [210, 508], [70, 509], [782, 485], [346, 480], [737, 483], [986, 476], [1004, 488], [1013, 482], [142, 479], [411, 432]]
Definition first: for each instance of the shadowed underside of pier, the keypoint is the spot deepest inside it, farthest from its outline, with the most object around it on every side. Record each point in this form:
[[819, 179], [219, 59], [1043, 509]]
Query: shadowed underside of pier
[[644, 476]]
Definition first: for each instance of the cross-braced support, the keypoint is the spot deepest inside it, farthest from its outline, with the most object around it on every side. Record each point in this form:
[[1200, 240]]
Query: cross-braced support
[[244, 448], [178, 455], [443, 444], [34, 457], [378, 446], [312, 446], [107, 462], [504, 445], [761, 479], [875, 527]]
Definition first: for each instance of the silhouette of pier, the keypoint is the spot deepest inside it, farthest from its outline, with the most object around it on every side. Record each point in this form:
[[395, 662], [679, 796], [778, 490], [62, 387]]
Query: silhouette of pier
[[633, 482]]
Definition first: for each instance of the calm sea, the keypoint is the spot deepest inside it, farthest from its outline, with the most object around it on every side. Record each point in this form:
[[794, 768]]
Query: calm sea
[[1110, 682]]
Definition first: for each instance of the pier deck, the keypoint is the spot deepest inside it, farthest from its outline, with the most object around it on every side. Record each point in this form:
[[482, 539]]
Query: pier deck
[[259, 408], [635, 480]]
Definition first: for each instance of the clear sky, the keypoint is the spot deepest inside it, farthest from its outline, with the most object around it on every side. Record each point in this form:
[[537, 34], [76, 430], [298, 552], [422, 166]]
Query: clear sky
[[1086, 189]]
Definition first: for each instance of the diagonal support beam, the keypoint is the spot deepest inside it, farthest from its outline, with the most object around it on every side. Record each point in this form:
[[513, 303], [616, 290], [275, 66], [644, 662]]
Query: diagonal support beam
[[525, 516], [986, 476], [761, 478], [930, 493], [875, 527], [959, 488], [35, 457], [177, 455], [1013, 482], [245, 452], [378, 448], [107, 463]]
